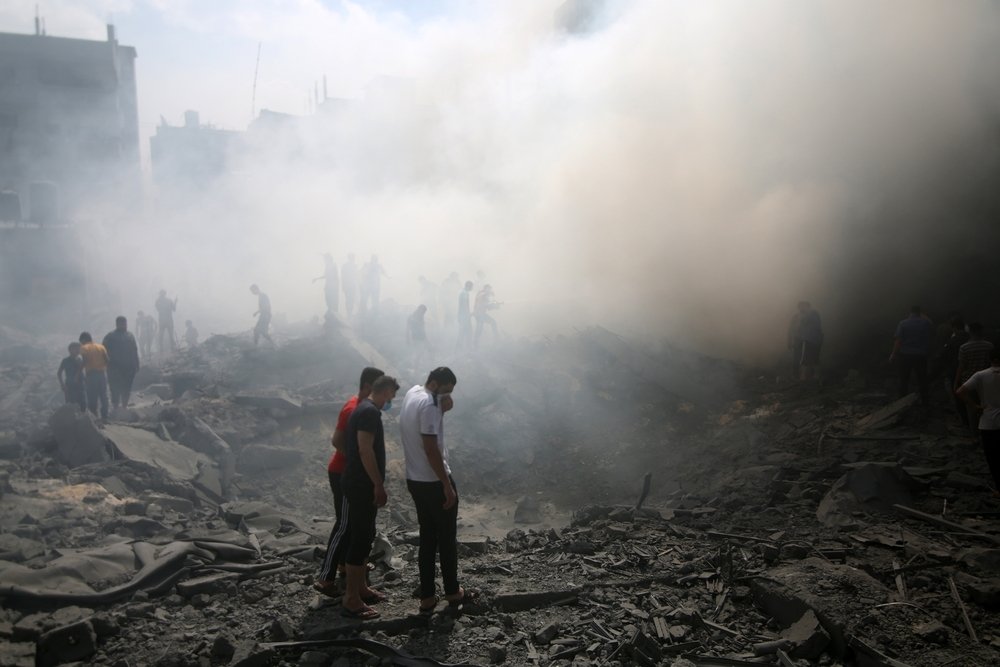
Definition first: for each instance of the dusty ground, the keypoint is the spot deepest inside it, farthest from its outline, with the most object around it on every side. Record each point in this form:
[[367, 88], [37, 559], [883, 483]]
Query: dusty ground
[[768, 536]]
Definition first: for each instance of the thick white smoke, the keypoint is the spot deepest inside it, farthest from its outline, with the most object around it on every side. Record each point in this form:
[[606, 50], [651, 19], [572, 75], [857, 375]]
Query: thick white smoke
[[674, 169]]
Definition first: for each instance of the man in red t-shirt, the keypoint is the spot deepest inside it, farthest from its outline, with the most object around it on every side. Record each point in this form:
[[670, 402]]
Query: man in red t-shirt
[[327, 584]]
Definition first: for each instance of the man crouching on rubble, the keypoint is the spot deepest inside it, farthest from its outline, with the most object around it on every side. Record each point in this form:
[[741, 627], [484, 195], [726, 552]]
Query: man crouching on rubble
[[364, 492], [428, 477]]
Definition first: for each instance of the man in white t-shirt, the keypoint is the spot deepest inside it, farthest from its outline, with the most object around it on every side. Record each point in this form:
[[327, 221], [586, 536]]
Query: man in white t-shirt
[[985, 386], [428, 478]]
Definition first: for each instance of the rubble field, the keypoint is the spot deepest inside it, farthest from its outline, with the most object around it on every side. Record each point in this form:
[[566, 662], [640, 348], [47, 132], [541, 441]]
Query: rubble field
[[612, 513]]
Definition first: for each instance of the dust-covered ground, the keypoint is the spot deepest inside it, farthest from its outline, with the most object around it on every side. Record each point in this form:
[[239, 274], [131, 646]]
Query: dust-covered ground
[[190, 528]]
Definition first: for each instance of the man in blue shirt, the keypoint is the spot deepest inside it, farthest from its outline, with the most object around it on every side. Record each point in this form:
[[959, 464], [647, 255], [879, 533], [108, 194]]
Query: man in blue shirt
[[911, 346]]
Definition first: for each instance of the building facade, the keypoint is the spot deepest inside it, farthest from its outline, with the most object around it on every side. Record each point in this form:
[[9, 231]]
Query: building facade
[[69, 125]]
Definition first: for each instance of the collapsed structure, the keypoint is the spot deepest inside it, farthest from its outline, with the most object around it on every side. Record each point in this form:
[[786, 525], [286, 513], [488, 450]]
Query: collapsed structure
[[777, 525]]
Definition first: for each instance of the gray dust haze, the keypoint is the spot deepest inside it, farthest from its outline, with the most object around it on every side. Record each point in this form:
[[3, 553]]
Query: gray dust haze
[[668, 169]]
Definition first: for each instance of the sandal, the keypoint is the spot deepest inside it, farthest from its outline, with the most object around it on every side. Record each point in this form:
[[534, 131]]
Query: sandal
[[429, 610], [374, 598], [328, 588], [365, 613], [468, 596]]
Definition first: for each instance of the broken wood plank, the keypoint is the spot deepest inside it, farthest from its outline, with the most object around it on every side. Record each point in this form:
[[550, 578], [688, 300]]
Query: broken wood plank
[[715, 533], [930, 518], [783, 659], [961, 607], [900, 582]]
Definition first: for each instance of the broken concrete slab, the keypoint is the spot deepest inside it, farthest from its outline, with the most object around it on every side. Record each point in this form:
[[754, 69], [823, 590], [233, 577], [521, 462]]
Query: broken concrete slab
[[807, 637], [838, 595], [80, 441], [885, 417], [867, 488]]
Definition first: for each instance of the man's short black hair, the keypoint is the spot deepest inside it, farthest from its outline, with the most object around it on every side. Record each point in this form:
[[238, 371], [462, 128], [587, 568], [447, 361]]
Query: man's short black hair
[[958, 322], [368, 376], [915, 310], [121, 319], [442, 375], [85, 337], [384, 382], [976, 328]]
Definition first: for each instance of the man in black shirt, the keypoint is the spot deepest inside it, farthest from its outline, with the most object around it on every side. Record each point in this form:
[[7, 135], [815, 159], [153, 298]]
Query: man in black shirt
[[70, 376], [123, 362], [364, 492]]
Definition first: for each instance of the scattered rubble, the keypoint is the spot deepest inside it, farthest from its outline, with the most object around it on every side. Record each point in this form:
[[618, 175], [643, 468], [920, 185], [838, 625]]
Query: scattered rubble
[[770, 524]]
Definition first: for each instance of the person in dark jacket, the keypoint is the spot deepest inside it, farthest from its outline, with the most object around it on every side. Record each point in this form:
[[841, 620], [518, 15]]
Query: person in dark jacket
[[123, 362]]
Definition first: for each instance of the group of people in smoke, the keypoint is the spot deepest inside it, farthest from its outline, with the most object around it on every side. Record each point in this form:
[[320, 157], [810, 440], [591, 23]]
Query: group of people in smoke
[[960, 354], [357, 479], [92, 368], [451, 304]]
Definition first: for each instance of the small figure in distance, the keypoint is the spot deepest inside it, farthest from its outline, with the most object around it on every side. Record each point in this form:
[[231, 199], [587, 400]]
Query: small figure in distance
[[165, 309], [416, 334], [263, 315], [190, 335], [484, 304], [95, 369], [123, 364]]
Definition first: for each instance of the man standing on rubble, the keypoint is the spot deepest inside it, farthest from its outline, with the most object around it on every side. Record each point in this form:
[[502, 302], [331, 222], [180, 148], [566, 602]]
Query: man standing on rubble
[[911, 346], [263, 316], [483, 305], [95, 370], [331, 286], [123, 362], [327, 583], [949, 365], [805, 338], [165, 309], [429, 480], [982, 393], [363, 483], [145, 328]]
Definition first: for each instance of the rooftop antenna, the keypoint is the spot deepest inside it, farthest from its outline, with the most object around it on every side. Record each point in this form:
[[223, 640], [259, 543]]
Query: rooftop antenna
[[253, 95], [43, 28], [38, 22]]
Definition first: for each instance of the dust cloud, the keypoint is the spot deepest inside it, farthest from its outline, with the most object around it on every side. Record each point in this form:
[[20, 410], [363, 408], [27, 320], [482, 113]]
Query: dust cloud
[[668, 169]]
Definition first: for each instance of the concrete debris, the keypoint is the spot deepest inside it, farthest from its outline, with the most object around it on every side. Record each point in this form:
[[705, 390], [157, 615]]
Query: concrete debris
[[199, 516]]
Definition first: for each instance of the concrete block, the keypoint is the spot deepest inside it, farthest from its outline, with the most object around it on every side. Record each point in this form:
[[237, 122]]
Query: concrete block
[[69, 643]]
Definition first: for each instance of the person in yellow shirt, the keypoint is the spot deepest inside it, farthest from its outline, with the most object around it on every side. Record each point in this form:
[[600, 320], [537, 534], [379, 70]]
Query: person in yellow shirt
[[95, 369]]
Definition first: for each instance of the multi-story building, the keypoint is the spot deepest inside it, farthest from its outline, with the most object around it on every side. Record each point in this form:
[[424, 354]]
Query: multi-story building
[[69, 125]]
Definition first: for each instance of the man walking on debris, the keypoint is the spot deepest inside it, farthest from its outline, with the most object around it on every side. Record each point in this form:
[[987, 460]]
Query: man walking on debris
[[982, 393], [911, 346], [70, 376], [165, 309], [805, 338], [973, 356], [145, 328], [123, 362], [331, 286], [95, 368], [327, 583], [484, 304], [363, 483], [263, 316], [416, 334], [429, 480]]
